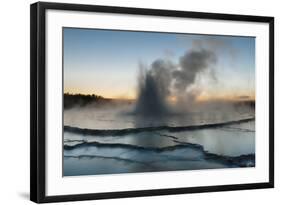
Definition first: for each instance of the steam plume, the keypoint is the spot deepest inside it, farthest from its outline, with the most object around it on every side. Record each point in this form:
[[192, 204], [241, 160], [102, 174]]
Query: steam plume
[[164, 78], [192, 64]]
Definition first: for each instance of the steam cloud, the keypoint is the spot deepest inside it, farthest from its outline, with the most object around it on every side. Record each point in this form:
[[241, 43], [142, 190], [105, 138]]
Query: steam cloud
[[164, 78], [191, 64]]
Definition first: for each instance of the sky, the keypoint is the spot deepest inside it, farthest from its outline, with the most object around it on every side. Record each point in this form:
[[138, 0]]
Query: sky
[[106, 62]]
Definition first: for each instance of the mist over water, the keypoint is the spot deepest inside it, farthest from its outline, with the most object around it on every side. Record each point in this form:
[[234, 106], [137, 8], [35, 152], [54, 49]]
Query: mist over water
[[167, 94], [165, 128]]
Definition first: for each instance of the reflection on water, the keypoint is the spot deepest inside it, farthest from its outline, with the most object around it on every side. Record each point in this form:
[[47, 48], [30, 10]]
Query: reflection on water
[[228, 140], [120, 118], [158, 149], [232, 140]]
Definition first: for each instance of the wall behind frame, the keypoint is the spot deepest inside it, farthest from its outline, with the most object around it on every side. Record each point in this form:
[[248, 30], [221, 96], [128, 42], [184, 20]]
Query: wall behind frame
[[14, 103]]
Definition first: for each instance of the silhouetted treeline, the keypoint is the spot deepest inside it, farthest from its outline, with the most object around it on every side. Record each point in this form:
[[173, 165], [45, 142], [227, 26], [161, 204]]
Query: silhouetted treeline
[[71, 100]]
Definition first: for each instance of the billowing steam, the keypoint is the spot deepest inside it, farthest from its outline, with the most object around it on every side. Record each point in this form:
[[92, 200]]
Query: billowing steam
[[192, 64], [165, 78]]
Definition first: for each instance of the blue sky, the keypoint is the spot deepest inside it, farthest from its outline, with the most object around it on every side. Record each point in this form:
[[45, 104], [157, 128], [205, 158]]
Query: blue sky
[[106, 62]]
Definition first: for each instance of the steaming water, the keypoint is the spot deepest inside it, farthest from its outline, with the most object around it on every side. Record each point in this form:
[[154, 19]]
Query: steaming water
[[160, 149], [121, 117]]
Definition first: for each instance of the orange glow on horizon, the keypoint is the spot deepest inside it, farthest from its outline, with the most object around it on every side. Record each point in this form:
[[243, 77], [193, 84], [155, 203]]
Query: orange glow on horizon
[[226, 97], [203, 97]]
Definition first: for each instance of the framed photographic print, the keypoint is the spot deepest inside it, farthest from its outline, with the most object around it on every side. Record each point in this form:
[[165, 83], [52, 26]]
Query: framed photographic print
[[129, 102]]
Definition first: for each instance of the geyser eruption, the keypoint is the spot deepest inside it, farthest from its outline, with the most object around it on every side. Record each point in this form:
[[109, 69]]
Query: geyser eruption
[[154, 89], [164, 78]]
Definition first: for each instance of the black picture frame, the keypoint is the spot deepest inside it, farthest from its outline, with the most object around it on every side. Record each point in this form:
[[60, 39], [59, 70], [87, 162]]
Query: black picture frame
[[38, 101]]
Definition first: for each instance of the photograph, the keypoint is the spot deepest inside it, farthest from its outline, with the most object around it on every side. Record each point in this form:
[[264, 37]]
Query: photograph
[[146, 101], [139, 101]]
